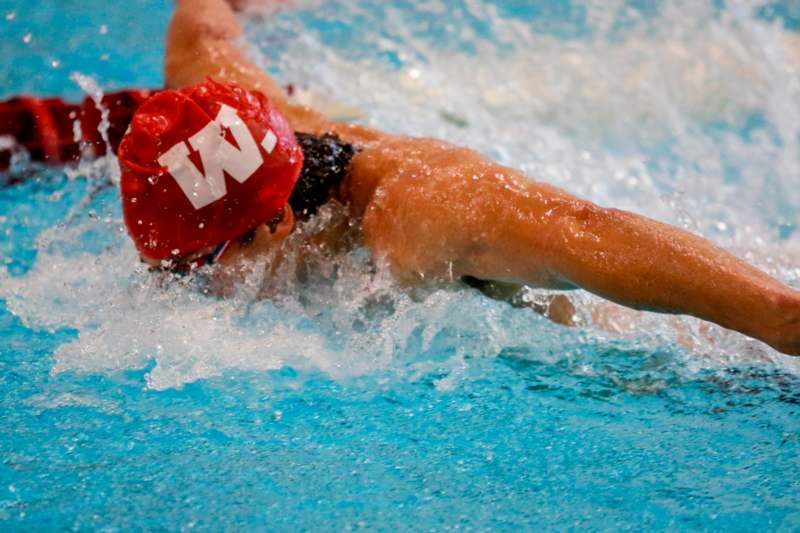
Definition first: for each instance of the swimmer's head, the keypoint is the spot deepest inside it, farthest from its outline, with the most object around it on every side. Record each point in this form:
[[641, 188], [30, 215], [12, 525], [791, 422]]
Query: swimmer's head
[[203, 167]]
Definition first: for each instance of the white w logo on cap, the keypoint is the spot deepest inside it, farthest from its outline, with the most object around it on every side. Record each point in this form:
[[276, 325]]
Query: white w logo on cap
[[218, 156]]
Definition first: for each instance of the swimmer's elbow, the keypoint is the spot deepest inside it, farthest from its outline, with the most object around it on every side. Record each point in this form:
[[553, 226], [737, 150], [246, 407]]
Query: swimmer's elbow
[[574, 221], [197, 44], [202, 21], [578, 230], [589, 220]]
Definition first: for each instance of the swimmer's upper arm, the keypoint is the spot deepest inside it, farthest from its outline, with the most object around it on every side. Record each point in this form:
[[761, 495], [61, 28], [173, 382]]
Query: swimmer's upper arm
[[438, 211], [443, 212]]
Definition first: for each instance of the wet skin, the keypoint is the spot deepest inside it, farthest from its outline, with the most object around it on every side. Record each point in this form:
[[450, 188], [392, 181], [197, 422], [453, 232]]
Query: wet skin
[[437, 212]]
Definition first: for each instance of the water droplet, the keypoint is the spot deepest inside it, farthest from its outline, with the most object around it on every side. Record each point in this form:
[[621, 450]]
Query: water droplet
[[56, 196], [55, 63], [27, 38], [11, 15]]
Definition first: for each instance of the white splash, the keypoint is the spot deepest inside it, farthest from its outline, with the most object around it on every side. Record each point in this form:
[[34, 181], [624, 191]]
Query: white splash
[[127, 318], [110, 164], [647, 118]]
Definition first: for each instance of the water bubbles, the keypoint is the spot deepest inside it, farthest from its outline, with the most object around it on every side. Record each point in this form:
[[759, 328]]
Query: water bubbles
[[27, 38], [55, 63]]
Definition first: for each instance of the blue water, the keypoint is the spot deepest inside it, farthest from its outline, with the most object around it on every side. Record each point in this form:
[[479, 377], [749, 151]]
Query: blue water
[[556, 429]]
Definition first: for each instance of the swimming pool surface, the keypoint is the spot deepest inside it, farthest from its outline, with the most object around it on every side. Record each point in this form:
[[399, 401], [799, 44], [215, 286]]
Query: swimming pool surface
[[346, 404]]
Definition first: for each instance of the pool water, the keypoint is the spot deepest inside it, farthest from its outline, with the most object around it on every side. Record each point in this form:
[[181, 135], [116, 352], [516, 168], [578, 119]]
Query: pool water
[[346, 403]]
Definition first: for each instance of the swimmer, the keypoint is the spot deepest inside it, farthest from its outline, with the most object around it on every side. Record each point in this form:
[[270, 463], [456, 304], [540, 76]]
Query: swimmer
[[435, 213]]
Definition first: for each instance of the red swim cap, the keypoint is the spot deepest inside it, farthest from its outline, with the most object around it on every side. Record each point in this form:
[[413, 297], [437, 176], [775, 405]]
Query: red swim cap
[[204, 165]]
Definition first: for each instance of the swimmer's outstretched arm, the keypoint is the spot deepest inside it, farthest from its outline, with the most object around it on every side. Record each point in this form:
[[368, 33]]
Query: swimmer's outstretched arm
[[445, 212]]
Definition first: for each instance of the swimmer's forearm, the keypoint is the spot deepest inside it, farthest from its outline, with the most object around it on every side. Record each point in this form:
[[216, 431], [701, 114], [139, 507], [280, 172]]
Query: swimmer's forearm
[[205, 39], [202, 40], [534, 234], [647, 265]]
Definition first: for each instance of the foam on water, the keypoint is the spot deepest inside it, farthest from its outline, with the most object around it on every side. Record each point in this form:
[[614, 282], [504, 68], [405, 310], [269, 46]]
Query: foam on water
[[689, 114], [689, 100], [127, 318]]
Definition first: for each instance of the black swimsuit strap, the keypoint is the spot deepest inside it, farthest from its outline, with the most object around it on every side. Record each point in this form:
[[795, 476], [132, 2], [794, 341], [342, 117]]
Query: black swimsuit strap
[[326, 163]]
